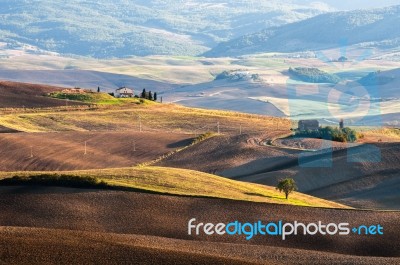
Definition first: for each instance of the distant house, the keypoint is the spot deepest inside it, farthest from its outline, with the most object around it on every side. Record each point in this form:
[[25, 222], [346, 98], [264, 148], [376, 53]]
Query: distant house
[[124, 92], [308, 125]]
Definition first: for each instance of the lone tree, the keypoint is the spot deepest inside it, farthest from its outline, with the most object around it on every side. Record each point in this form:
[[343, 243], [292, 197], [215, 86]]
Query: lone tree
[[287, 186], [98, 89]]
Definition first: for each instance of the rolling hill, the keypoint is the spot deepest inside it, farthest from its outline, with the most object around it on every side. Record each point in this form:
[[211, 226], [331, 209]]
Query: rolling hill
[[140, 214], [66, 151], [369, 28], [25, 95], [110, 227], [162, 180], [364, 176], [83, 78]]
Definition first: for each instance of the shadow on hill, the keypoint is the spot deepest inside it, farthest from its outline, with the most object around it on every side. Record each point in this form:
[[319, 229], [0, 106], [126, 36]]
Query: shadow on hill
[[55, 180], [84, 183], [181, 143], [262, 195], [4, 129]]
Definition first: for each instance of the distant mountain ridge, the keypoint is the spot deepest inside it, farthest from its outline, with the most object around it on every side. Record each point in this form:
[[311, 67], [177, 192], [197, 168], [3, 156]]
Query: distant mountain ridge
[[107, 28], [376, 27]]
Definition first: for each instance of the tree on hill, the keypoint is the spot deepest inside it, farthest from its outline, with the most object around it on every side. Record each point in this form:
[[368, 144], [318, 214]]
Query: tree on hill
[[332, 134], [143, 95], [313, 75], [287, 186], [98, 89], [155, 96], [150, 96]]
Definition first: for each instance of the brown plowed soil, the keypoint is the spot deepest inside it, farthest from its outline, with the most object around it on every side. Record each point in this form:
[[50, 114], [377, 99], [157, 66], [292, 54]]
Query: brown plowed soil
[[116, 219], [365, 176], [359, 175], [225, 152], [66, 151], [23, 95]]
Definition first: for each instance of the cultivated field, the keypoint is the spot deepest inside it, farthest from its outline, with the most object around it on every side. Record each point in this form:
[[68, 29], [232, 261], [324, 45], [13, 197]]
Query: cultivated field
[[364, 176], [132, 225], [66, 151], [23, 95]]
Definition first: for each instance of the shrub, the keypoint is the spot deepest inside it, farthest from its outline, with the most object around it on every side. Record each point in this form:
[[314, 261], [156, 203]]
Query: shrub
[[202, 137], [333, 134], [55, 180]]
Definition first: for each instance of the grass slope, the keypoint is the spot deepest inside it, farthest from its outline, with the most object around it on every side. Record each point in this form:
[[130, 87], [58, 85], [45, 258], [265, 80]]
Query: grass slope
[[98, 98], [168, 181], [165, 117]]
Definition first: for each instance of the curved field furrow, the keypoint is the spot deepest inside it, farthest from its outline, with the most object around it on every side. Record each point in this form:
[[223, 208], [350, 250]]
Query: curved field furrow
[[131, 213]]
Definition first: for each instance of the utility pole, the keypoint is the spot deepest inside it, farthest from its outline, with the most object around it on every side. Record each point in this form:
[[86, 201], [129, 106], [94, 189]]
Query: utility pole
[[134, 146], [85, 148], [140, 124], [31, 151], [218, 127], [240, 130]]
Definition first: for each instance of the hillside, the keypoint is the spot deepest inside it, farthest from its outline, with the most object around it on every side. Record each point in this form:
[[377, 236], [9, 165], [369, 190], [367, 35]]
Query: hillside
[[385, 83], [363, 176], [78, 78], [24, 95], [97, 226], [66, 151], [372, 28], [226, 152], [124, 28], [169, 181]]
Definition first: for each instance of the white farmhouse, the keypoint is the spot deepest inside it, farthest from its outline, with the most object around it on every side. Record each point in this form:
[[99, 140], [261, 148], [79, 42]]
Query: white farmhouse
[[124, 92]]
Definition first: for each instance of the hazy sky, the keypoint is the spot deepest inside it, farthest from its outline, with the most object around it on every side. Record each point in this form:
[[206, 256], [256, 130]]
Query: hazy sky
[[354, 4]]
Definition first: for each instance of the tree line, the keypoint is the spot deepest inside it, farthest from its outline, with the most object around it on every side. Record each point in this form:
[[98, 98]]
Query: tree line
[[148, 95]]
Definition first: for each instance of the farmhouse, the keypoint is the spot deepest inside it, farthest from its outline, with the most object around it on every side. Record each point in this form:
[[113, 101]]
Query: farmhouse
[[124, 92], [308, 125]]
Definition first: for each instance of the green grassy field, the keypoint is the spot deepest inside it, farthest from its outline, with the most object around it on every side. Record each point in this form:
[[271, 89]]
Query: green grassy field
[[99, 98], [172, 181]]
